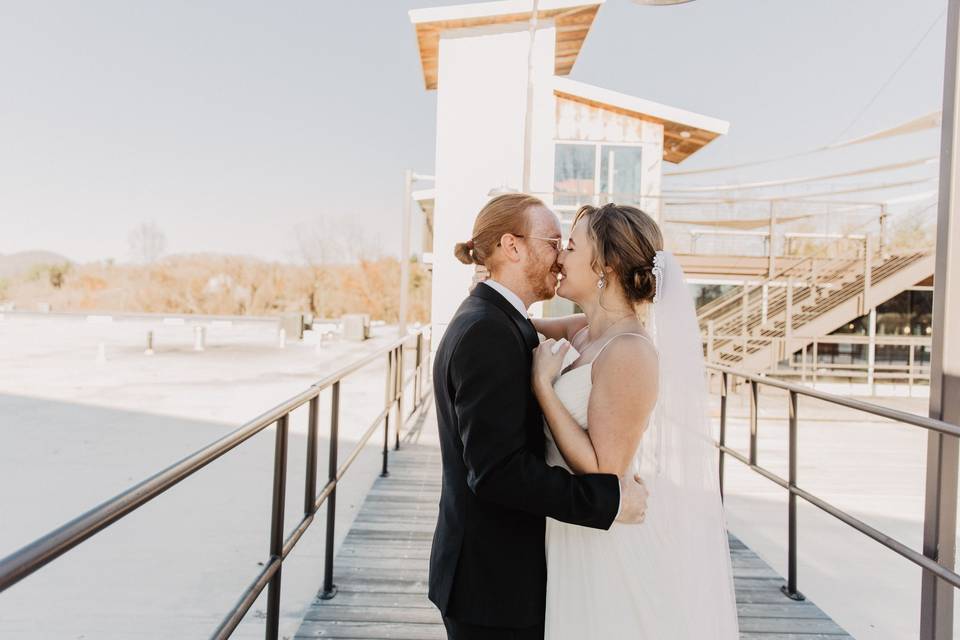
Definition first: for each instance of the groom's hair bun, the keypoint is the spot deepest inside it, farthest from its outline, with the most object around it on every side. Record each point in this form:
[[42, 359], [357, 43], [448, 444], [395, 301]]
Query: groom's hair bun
[[503, 214], [625, 239]]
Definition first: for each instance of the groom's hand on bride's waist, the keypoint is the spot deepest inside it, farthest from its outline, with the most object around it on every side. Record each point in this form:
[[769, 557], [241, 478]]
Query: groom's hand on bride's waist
[[633, 500]]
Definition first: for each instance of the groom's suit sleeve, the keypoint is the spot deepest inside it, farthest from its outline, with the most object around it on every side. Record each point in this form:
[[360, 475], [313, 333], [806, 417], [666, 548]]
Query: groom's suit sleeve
[[491, 394]]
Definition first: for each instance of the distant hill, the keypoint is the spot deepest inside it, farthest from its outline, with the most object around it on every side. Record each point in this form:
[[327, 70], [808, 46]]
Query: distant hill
[[16, 263]]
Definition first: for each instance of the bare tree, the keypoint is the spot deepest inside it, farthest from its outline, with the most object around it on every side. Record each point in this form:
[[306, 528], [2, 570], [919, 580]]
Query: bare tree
[[147, 242], [334, 240]]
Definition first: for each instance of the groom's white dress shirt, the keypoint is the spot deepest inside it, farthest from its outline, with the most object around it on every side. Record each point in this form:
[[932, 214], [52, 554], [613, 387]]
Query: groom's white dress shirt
[[515, 300], [511, 297]]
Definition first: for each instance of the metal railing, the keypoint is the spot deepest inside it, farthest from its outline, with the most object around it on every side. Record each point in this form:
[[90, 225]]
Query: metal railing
[[727, 376], [35, 555], [805, 357]]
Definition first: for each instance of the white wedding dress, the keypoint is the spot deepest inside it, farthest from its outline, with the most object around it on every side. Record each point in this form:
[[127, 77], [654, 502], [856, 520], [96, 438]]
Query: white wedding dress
[[666, 579]]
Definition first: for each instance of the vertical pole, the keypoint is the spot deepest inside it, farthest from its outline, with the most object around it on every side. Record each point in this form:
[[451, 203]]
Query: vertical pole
[[310, 488], [743, 324], [867, 273], [330, 589], [883, 231], [788, 319], [910, 363], [398, 394], [814, 289], [803, 365], [276, 525], [754, 419], [418, 377], [405, 252], [815, 362], [386, 420], [772, 263], [528, 112], [940, 512], [790, 589], [871, 348], [723, 425]]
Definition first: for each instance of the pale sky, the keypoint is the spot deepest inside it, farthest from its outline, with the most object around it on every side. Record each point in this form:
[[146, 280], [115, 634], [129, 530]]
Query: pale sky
[[229, 123]]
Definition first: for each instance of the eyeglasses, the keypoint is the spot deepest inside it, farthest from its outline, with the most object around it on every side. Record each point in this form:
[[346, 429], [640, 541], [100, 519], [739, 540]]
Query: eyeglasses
[[556, 242]]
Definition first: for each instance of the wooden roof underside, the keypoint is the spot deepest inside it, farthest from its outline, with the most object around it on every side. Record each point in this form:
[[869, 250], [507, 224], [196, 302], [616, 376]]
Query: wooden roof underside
[[572, 26], [680, 141]]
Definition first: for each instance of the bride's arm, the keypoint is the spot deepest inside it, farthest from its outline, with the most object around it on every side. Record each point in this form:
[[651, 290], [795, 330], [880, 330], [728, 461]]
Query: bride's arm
[[562, 327], [622, 397]]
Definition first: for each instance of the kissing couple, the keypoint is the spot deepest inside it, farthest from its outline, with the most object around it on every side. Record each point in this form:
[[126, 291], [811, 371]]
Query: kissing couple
[[580, 494]]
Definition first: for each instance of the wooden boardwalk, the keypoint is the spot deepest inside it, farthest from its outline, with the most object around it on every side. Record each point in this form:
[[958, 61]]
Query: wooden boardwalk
[[381, 570]]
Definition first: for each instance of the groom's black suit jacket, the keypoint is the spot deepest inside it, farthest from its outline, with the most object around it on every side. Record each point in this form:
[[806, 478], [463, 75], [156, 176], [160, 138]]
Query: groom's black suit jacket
[[487, 565]]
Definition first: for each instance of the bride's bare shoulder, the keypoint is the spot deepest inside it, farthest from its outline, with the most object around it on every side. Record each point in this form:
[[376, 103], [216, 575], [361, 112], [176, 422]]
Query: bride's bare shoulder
[[628, 358]]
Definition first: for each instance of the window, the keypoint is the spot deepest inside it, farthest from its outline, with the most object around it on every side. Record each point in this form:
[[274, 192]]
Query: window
[[574, 174], [591, 173]]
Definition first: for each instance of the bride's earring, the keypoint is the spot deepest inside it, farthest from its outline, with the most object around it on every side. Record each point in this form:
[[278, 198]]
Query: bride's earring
[[601, 283]]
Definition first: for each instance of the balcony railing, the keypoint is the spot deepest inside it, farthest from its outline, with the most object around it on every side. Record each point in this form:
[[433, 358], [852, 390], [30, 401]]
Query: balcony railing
[[791, 484], [48, 548]]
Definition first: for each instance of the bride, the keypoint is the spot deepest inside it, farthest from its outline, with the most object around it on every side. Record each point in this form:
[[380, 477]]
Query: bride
[[633, 399]]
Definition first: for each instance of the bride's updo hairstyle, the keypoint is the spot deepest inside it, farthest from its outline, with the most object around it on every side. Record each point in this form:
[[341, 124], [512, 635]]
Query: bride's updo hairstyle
[[503, 214], [625, 239]]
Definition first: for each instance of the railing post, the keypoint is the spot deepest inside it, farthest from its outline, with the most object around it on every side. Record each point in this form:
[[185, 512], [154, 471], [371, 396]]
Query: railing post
[[910, 364], [386, 421], [871, 349], [399, 390], [771, 241], [790, 589], [330, 589], [723, 425], [276, 525], [803, 364], [418, 377], [743, 324], [788, 317], [754, 419], [310, 484], [867, 273], [814, 363]]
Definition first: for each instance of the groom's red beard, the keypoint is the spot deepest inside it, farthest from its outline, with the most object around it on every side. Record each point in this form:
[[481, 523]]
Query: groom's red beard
[[539, 280]]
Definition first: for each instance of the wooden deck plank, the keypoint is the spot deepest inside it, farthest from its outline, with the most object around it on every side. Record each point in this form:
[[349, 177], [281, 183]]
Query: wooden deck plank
[[381, 571]]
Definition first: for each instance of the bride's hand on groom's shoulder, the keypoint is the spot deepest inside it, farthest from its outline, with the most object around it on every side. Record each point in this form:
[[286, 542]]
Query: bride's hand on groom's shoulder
[[547, 362]]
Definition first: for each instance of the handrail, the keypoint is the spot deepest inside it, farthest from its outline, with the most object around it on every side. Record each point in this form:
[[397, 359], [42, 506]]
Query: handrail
[[922, 560], [858, 405], [33, 556]]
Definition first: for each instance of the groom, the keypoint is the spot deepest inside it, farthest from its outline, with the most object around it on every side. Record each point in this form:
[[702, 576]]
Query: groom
[[487, 566]]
